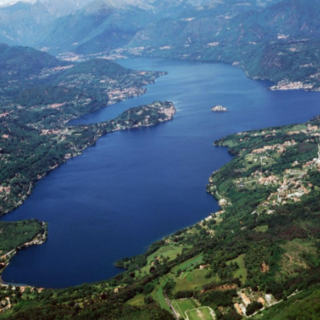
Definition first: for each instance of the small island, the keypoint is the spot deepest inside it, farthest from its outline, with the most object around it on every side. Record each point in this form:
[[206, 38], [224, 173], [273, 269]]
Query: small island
[[219, 109]]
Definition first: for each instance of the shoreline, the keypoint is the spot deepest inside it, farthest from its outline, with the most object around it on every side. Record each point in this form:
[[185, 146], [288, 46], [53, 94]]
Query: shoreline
[[282, 85], [165, 110], [119, 130], [113, 101], [39, 239]]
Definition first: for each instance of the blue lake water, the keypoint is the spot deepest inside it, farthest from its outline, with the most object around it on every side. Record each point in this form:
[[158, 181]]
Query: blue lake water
[[136, 186]]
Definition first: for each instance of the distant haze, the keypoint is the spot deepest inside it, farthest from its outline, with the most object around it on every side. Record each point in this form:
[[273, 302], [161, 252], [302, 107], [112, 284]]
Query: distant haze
[[79, 3], [13, 1]]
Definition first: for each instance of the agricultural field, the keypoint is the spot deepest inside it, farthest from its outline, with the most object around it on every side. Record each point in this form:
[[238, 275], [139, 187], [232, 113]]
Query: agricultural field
[[183, 305], [294, 257], [137, 301], [165, 253], [263, 229], [190, 280], [190, 263], [241, 272]]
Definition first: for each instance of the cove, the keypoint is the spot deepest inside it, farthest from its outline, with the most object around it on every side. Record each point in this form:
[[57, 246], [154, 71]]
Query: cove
[[136, 186]]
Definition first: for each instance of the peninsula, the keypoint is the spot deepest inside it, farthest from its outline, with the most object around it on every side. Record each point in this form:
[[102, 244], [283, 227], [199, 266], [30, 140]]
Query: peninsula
[[40, 95], [23, 234]]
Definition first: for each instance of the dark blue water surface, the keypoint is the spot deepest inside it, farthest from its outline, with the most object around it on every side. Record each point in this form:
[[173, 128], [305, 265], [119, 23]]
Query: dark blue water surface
[[136, 186]]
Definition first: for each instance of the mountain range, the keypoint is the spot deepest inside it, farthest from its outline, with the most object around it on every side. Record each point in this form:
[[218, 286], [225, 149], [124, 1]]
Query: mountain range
[[102, 22], [278, 42]]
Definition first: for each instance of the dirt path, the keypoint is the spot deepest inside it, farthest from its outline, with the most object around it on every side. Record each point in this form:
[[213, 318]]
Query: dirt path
[[171, 306]]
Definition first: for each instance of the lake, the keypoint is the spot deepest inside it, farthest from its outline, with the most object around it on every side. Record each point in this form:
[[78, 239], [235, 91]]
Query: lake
[[137, 186]]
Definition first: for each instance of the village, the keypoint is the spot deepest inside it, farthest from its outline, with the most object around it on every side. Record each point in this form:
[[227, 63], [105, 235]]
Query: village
[[290, 185], [13, 292]]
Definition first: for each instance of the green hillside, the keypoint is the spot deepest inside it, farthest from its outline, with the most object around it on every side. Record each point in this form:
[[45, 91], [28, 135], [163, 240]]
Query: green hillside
[[303, 306], [25, 59]]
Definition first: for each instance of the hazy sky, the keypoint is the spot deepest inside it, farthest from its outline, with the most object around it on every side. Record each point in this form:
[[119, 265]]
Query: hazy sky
[[12, 1], [8, 1]]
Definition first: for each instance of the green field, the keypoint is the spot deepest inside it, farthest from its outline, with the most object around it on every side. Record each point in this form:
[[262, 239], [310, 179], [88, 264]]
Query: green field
[[240, 273], [203, 313], [137, 301], [263, 229], [190, 309], [191, 280], [167, 251], [157, 294], [292, 259], [189, 263], [183, 305]]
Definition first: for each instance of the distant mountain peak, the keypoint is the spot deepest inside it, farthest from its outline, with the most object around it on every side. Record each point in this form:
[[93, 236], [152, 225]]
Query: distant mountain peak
[[121, 4], [64, 7]]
